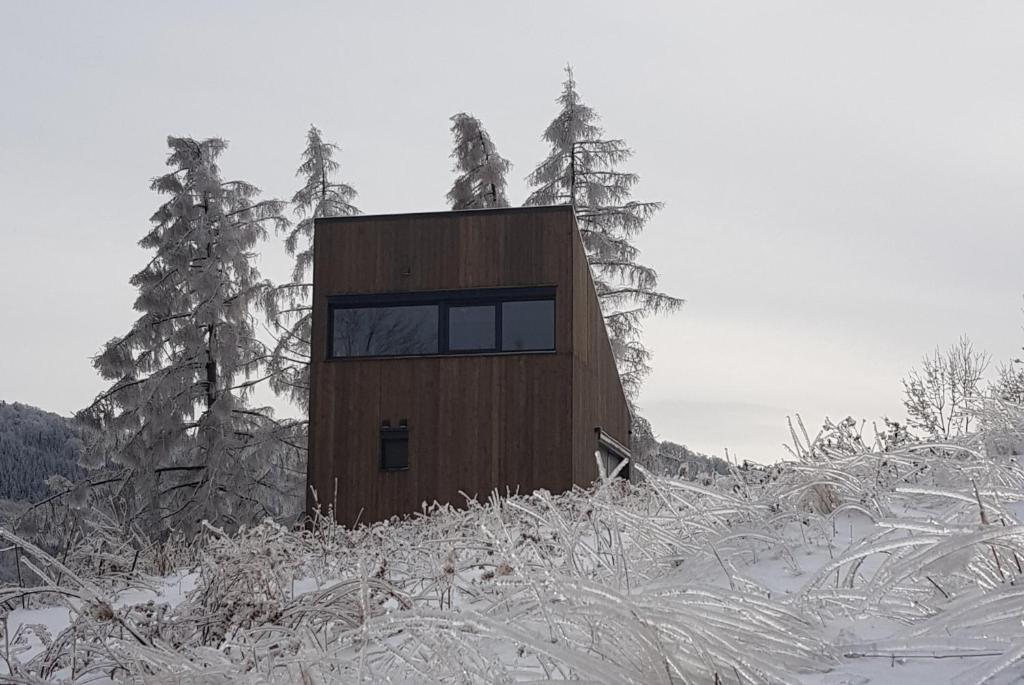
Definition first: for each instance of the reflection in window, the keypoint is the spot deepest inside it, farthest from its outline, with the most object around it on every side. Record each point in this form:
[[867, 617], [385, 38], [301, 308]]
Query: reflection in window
[[385, 331], [471, 328], [484, 321], [528, 325]]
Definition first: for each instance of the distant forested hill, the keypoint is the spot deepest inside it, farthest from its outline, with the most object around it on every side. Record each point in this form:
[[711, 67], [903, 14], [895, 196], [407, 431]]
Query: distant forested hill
[[680, 460], [35, 444], [665, 458]]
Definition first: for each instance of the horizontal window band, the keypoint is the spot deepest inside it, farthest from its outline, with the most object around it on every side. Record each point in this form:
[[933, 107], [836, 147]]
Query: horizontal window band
[[492, 321]]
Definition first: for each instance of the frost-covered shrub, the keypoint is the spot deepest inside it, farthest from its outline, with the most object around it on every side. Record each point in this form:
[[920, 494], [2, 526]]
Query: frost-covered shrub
[[744, 578], [245, 580]]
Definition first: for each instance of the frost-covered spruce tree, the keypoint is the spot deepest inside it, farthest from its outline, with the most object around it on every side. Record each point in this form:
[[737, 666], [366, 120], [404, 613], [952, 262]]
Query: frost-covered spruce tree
[[288, 306], [481, 182], [582, 170], [176, 419]]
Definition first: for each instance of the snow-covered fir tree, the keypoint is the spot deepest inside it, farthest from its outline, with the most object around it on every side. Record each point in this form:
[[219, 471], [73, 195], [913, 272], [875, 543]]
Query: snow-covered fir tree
[[176, 419], [288, 306], [582, 169], [481, 182], [1009, 384]]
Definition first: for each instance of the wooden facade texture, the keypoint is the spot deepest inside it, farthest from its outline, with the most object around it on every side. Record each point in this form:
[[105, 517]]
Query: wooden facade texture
[[476, 423]]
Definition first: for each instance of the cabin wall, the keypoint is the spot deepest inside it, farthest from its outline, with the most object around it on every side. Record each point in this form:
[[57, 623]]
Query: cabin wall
[[597, 399], [475, 422]]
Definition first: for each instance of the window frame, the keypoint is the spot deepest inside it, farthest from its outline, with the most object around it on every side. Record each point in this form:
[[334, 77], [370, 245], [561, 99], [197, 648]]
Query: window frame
[[444, 300]]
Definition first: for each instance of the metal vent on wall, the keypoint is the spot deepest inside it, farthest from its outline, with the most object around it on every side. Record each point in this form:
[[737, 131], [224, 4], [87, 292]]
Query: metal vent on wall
[[394, 446]]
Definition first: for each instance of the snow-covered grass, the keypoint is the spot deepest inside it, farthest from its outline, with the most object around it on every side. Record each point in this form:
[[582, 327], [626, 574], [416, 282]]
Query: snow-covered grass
[[849, 564]]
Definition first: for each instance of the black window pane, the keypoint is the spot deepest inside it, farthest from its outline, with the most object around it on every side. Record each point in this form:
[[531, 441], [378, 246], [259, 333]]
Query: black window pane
[[528, 325], [471, 328], [385, 331]]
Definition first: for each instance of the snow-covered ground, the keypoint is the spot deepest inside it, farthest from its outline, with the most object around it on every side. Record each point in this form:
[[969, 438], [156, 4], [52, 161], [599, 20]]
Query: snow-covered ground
[[847, 566], [40, 625]]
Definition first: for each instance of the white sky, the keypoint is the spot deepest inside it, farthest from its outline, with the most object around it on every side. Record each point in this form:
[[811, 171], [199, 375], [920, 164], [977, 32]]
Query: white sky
[[843, 181]]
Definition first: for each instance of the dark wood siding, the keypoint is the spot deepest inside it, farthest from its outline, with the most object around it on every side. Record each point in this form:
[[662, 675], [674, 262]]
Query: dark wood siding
[[476, 423], [597, 398]]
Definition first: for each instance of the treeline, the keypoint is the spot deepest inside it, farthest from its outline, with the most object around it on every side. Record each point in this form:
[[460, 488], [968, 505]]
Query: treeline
[[666, 458], [35, 445], [679, 460]]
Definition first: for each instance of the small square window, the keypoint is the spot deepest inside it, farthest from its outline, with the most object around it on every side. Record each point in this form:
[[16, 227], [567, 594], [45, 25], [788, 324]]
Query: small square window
[[394, 448], [528, 325], [471, 328]]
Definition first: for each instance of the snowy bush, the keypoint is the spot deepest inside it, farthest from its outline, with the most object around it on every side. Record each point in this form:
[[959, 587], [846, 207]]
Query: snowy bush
[[859, 556]]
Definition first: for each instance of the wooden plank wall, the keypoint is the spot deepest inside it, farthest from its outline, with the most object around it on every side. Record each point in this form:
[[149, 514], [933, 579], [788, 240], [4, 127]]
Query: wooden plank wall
[[597, 398], [474, 422]]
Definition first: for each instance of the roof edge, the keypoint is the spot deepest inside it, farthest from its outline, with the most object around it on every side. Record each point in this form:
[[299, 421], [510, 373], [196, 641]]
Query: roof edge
[[445, 212]]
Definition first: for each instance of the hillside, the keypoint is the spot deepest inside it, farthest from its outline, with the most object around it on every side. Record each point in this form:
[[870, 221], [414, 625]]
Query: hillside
[[34, 445], [667, 458], [675, 459]]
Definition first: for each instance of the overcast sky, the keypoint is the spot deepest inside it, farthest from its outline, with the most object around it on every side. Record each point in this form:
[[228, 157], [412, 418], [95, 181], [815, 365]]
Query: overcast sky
[[843, 182]]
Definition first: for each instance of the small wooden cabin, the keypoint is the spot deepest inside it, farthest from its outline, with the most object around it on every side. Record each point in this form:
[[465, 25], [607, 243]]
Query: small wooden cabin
[[456, 352]]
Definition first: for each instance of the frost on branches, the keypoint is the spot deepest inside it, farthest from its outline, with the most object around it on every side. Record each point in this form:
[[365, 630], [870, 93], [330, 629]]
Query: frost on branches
[[942, 398], [582, 170], [857, 561], [481, 183], [176, 423], [288, 306]]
